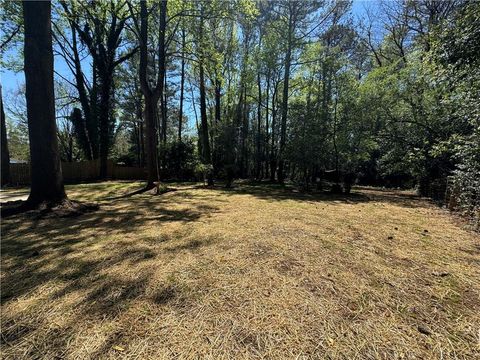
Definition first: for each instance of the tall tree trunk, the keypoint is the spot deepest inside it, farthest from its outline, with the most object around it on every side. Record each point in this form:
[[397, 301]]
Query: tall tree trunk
[[152, 96], [164, 111], [283, 129], [267, 99], [142, 142], [238, 125], [5, 153], [259, 127], [159, 92], [138, 121], [46, 172], [245, 128], [150, 110], [81, 122], [217, 117], [182, 87], [273, 160], [207, 155], [337, 173], [106, 123], [150, 115], [218, 99]]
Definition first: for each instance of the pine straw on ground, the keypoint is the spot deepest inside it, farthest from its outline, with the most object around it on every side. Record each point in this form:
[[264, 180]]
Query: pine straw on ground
[[253, 272]]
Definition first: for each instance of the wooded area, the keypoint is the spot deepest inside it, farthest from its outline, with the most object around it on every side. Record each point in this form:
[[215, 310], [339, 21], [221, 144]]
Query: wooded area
[[296, 91]]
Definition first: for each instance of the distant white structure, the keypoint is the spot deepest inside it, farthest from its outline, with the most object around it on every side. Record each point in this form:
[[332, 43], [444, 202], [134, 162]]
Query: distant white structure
[[15, 161]]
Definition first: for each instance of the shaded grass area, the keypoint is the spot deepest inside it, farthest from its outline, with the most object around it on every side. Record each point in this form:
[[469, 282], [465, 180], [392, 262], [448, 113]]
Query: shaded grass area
[[258, 271]]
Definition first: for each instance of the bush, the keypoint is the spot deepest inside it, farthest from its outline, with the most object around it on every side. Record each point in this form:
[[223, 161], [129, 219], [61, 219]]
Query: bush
[[179, 160], [202, 171], [464, 190]]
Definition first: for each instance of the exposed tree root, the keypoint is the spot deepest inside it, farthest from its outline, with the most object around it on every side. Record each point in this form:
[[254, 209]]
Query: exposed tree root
[[64, 208]]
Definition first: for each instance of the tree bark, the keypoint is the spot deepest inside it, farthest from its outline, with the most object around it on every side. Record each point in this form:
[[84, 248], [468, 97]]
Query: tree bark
[[46, 172]]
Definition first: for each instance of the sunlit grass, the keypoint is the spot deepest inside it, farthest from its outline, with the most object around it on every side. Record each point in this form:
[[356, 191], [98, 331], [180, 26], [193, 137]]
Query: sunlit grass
[[253, 272]]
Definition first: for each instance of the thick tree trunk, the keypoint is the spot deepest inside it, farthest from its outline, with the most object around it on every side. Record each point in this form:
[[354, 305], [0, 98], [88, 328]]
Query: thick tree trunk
[[150, 116], [5, 153], [46, 172]]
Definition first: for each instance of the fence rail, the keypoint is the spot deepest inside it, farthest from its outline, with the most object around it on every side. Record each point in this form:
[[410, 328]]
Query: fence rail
[[79, 172]]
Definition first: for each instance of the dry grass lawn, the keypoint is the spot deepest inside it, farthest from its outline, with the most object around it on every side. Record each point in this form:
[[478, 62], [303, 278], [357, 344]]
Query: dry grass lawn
[[256, 272]]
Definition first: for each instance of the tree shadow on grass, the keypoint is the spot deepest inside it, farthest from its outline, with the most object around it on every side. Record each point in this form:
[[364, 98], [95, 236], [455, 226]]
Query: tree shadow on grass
[[72, 256], [86, 256], [276, 192]]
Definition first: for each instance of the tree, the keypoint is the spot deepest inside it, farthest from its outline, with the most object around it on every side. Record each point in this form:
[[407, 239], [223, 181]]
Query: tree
[[151, 93], [456, 62], [295, 15], [182, 83], [11, 24], [100, 30], [46, 173], [204, 134], [85, 121]]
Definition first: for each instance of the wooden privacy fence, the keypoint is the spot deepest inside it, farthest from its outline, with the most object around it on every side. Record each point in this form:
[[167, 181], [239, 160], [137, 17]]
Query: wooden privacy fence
[[82, 171]]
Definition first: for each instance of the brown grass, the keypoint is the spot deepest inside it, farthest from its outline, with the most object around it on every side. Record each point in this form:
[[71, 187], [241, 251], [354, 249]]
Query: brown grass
[[254, 272]]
